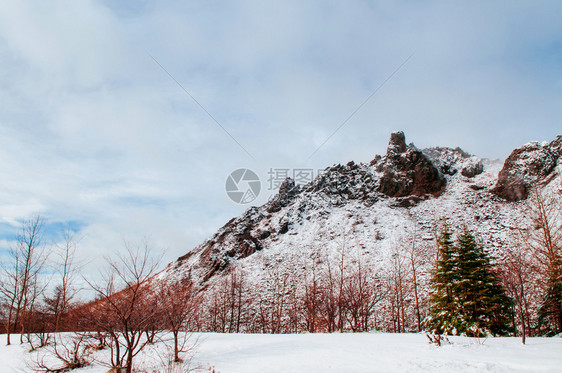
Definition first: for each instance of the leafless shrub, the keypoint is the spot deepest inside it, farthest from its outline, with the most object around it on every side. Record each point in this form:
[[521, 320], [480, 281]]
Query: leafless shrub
[[437, 339], [66, 352]]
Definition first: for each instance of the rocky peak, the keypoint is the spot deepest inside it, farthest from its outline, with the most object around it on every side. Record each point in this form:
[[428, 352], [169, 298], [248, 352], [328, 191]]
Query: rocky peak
[[288, 190], [397, 143], [406, 171], [525, 166]]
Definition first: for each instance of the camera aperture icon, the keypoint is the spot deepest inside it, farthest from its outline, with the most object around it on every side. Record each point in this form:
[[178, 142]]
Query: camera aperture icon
[[243, 186]]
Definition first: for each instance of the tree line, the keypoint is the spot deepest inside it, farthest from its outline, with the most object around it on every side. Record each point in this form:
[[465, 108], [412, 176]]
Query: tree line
[[454, 285]]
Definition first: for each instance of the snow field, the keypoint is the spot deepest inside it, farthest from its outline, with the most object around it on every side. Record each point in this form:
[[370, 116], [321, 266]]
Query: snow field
[[362, 352]]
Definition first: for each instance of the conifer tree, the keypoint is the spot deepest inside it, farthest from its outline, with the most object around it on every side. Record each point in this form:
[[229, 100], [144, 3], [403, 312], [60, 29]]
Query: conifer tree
[[550, 311], [484, 307], [468, 298], [441, 319]]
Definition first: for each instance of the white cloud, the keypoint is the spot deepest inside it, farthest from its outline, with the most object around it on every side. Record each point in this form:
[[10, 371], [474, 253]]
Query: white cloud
[[91, 129]]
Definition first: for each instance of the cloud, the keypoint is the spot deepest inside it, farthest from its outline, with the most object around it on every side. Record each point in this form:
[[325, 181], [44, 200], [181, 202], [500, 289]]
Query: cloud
[[92, 130]]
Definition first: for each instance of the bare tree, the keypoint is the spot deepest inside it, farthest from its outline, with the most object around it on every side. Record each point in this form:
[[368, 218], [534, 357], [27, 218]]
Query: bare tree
[[216, 308], [10, 288], [277, 288], [312, 299], [38, 323], [120, 311], [235, 297], [60, 302], [418, 256], [329, 294], [544, 240], [362, 292], [398, 288], [227, 302], [19, 288], [181, 304], [294, 305], [341, 279], [518, 278]]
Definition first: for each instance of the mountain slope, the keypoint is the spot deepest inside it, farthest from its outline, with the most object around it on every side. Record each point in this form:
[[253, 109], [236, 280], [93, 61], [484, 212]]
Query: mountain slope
[[369, 209]]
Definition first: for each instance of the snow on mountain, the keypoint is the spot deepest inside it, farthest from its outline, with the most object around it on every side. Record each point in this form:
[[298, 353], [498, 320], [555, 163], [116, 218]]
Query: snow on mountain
[[369, 209]]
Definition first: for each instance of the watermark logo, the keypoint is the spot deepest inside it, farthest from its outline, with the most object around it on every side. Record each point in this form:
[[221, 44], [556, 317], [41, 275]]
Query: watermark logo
[[243, 186], [301, 176]]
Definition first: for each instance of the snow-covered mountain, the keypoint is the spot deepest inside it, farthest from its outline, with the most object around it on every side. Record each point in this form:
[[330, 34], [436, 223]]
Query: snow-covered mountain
[[370, 208]]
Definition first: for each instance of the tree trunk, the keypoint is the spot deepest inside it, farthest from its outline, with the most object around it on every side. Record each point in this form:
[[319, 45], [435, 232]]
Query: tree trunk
[[9, 326], [418, 315], [176, 348]]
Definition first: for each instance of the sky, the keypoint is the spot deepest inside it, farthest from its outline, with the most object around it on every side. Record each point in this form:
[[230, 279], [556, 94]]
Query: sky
[[121, 121]]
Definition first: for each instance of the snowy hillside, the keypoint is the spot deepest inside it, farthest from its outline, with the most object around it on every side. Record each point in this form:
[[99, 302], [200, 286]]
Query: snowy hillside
[[369, 209]]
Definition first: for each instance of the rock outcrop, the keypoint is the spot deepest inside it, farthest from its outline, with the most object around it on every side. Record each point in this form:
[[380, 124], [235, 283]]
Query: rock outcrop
[[525, 166], [288, 190], [406, 171], [450, 161], [342, 183]]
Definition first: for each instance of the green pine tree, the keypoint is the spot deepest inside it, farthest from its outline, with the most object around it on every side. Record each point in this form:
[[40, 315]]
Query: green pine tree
[[441, 319], [550, 311], [468, 298], [484, 307]]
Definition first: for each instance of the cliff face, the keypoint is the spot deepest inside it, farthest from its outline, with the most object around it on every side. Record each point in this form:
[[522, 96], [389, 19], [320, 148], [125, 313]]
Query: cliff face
[[530, 164], [406, 171], [370, 207]]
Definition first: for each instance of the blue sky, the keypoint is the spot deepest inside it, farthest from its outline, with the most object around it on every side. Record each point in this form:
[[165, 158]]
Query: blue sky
[[92, 131]]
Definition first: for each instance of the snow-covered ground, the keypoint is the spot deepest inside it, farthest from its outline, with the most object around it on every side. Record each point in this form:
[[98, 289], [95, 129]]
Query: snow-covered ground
[[366, 352]]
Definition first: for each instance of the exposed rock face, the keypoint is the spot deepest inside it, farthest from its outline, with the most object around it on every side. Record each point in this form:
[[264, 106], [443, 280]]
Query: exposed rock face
[[472, 170], [237, 239], [287, 192], [450, 161], [406, 171], [341, 183], [525, 166], [245, 235]]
